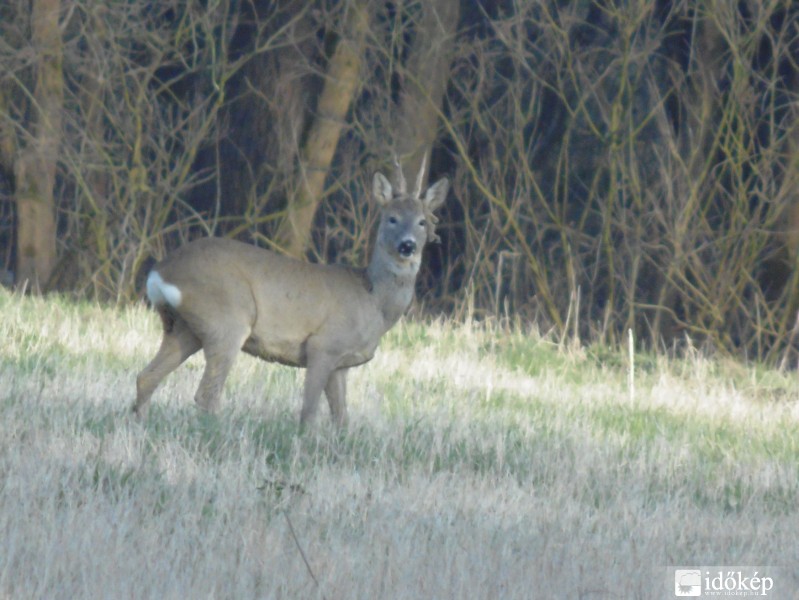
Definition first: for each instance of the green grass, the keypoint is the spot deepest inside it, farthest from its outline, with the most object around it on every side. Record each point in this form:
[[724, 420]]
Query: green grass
[[479, 463]]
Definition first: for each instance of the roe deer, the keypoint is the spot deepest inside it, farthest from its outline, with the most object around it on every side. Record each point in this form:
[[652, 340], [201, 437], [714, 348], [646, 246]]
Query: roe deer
[[224, 296]]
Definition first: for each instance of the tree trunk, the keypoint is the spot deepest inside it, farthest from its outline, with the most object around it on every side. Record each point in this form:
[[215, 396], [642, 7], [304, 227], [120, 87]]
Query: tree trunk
[[8, 135], [425, 82], [266, 128], [339, 88], [34, 169], [8, 143]]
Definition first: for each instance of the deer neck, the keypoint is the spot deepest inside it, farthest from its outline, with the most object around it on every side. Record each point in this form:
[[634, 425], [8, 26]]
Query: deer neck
[[392, 284]]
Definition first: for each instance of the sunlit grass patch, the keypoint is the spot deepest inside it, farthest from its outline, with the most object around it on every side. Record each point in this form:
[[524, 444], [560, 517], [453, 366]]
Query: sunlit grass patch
[[474, 457]]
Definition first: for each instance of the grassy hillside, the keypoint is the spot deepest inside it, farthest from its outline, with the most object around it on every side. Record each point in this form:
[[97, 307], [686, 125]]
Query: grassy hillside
[[478, 464]]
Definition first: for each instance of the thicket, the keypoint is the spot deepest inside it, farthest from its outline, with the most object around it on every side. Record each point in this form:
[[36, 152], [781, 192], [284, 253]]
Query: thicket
[[615, 165]]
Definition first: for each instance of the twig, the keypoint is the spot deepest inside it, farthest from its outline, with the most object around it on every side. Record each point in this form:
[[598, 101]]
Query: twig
[[279, 485], [302, 552], [631, 371]]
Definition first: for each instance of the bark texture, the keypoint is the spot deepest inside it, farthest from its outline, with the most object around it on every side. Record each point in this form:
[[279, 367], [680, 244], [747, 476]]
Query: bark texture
[[35, 167], [341, 82]]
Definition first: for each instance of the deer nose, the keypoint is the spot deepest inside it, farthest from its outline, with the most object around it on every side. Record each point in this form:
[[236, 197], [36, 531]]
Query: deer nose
[[406, 248]]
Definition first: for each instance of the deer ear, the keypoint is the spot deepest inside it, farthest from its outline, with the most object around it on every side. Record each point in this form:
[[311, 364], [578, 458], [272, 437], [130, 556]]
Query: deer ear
[[381, 189], [436, 194]]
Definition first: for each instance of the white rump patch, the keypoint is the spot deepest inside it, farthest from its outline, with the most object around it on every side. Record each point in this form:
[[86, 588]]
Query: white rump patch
[[160, 292]]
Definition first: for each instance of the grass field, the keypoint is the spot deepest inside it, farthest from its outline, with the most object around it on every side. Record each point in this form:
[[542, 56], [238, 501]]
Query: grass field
[[478, 464]]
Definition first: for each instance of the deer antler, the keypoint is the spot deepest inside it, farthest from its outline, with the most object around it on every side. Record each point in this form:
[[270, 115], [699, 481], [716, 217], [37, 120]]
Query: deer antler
[[402, 187], [417, 190]]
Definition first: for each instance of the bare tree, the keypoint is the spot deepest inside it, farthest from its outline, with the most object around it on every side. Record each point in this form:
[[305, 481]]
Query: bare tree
[[35, 163], [341, 81], [613, 166], [424, 80], [266, 113]]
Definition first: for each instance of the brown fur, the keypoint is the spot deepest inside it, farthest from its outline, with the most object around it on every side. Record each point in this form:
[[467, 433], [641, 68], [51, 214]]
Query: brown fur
[[325, 318]]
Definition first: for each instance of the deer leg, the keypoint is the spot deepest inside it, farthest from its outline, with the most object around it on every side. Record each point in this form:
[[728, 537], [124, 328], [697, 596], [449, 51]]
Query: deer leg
[[176, 346], [220, 354], [317, 375], [336, 392]]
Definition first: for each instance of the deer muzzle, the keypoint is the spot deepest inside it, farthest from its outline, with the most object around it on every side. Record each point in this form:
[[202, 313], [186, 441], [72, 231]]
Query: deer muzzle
[[406, 248]]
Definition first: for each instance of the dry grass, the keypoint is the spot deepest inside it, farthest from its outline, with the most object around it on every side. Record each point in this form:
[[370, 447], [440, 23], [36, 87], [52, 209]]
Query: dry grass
[[478, 464]]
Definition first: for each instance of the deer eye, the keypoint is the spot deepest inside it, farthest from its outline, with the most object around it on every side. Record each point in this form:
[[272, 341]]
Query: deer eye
[[392, 220], [422, 223]]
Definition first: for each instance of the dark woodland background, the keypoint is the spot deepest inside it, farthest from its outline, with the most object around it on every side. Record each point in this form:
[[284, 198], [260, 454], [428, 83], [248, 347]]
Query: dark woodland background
[[615, 164]]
